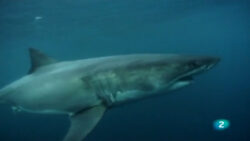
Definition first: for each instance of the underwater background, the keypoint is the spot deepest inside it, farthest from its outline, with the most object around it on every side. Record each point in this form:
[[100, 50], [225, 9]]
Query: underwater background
[[78, 29]]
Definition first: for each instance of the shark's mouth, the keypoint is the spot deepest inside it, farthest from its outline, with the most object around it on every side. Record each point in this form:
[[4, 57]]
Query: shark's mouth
[[181, 82], [193, 68], [186, 78]]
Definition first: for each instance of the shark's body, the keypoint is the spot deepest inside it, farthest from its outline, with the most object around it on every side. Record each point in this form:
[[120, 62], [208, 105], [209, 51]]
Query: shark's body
[[84, 89]]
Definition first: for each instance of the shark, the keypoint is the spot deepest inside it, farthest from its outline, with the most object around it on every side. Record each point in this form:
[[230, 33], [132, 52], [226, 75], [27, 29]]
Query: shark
[[85, 89]]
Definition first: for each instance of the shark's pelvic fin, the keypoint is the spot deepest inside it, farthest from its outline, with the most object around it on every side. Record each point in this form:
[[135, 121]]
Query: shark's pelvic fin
[[84, 122], [39, 59]]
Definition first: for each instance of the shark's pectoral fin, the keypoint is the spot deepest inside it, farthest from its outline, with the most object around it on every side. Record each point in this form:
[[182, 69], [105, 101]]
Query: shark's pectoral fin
[[84, 122]]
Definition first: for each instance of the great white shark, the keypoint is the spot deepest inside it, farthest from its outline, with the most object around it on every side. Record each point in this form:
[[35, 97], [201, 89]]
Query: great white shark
[[85, 89]]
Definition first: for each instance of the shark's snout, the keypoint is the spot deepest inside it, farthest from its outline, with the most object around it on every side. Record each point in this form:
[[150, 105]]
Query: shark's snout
[[207, 63]]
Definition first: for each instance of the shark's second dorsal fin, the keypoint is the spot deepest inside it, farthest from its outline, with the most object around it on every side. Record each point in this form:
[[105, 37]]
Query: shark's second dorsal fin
[[39, 59]]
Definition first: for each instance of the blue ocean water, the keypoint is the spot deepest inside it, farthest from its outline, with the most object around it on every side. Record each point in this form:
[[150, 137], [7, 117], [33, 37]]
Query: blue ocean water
[[76, 29]]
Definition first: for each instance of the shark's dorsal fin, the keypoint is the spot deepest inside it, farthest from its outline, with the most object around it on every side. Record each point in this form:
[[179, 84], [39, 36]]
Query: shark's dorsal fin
[[39, 59]]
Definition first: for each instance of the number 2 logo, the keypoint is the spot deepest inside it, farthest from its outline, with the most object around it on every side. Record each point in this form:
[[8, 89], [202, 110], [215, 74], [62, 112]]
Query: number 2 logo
[[221, 124]]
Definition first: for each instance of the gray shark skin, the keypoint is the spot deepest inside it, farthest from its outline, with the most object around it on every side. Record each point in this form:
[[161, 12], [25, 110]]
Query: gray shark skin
[[85, 89]]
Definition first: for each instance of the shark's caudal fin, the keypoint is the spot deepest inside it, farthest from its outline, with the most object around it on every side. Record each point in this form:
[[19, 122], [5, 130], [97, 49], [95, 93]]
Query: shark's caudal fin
[[39, 59], [84, 122]]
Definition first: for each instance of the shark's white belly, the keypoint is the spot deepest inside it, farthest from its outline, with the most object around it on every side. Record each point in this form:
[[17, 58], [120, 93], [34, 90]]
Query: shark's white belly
[[57, 96]]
